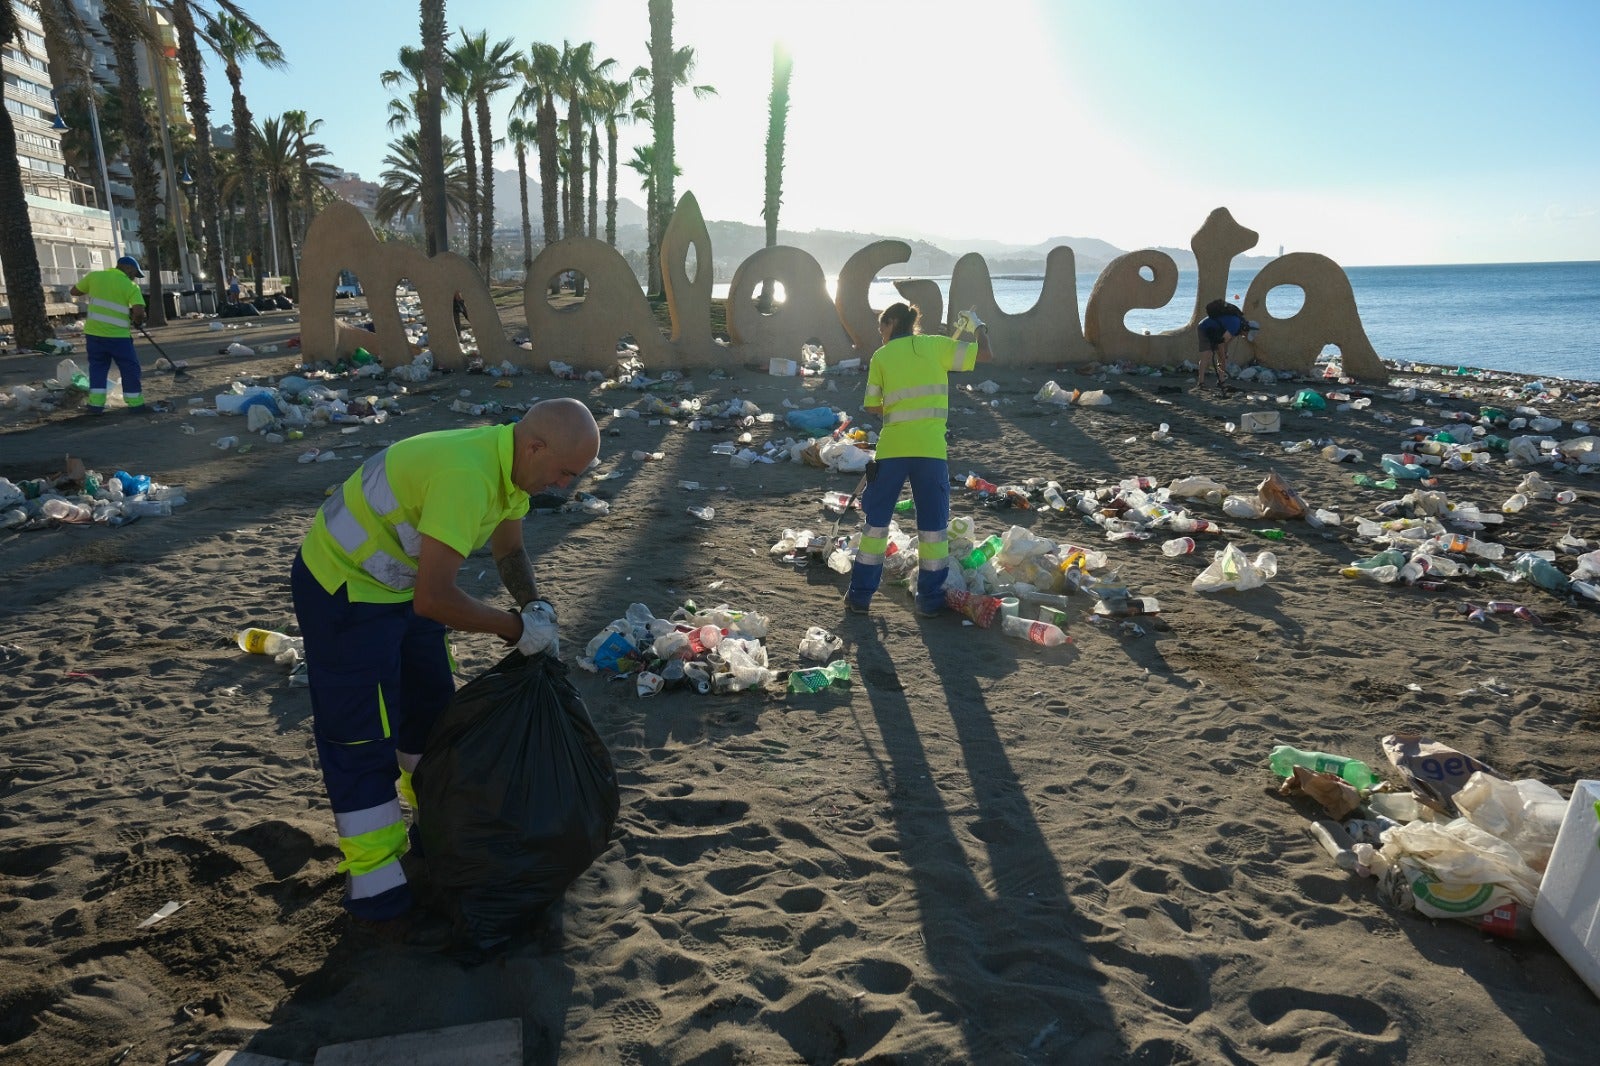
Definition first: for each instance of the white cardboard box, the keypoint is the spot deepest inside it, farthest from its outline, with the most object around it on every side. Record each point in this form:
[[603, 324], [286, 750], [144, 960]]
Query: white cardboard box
[[1567, 911], [1260, 422], [782, 368]]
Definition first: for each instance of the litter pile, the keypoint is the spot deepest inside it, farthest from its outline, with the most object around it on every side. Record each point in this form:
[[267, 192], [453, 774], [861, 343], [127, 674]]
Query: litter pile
[[78, 496], [710, 650]]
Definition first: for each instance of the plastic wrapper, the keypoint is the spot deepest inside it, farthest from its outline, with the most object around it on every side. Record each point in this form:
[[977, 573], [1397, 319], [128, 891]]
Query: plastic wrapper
[[1526, 814], [516, 795]]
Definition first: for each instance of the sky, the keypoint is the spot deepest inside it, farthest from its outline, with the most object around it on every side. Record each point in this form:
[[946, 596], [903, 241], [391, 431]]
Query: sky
[[1374, 133]]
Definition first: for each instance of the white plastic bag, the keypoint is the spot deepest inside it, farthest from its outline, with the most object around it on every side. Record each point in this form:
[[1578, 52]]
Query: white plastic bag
[[1525, 814], [1231, 569], [1461, 867], [1237, 506]]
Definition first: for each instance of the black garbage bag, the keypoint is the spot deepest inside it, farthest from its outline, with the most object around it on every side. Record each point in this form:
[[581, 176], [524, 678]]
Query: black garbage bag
[[516, 797]]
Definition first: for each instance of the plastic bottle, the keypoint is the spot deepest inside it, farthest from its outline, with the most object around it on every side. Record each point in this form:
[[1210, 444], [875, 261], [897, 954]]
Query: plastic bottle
[[981, 610], [1186, 524], [1052, 496], [262, 641], [982, 553], [1028, 594], [837, 502], [905, 507], [705, 514], [1178, 546], [67, 511], [1038, 632], [1269, 534], [1516, 503], [1567, 496], [1284, 758], [977, 484], [1112, 606], [817, 678]]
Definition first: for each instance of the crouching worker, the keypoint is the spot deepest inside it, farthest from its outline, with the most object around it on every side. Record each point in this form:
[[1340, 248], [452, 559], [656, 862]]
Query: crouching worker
[[375, 590]]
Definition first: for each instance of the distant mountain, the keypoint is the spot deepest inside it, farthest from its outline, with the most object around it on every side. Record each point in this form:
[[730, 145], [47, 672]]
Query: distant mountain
[[508, 203]]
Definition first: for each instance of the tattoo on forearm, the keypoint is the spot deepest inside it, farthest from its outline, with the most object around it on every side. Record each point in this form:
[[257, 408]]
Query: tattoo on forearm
[[516, 573]]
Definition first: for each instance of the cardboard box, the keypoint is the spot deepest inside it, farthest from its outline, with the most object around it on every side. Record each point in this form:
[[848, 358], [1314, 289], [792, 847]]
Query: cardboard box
[[1260, 422], [1567, 911]]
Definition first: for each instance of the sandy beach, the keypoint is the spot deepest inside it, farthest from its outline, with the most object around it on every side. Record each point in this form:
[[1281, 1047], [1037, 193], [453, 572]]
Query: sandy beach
[[980, 851]]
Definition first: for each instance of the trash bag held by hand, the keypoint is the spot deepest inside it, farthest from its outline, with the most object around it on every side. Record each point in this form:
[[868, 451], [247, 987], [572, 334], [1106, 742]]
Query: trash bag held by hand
[[516, 797]]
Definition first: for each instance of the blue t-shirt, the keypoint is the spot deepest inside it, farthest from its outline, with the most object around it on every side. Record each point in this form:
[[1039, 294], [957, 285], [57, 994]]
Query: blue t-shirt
[[1212, 329]]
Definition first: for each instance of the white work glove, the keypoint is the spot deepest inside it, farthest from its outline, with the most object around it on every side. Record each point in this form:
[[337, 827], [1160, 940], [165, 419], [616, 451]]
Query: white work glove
[[539, 632]]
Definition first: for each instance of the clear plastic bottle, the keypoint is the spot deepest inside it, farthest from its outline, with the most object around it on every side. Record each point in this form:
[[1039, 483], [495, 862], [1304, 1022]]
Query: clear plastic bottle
[[1516, 503], [1052, 496], [263, 641], [1039, 632], [1178, 546]]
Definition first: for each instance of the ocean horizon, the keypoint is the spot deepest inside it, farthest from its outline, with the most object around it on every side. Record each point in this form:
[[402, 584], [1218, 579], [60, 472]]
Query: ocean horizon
[[1529, 318]]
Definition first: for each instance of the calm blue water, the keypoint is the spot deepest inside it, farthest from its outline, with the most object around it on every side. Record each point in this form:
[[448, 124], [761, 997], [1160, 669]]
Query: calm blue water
[[1532, 318]]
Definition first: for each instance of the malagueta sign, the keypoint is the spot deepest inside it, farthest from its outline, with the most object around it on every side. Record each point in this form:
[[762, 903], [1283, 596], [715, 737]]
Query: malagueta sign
[[585, 334]]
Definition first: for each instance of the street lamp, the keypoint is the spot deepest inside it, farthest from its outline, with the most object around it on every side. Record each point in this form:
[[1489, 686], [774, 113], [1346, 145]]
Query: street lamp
[[59, 123]]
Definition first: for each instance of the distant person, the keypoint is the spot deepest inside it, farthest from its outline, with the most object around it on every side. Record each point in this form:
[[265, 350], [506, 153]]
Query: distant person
[[115, 306], [375, 591], [458, 309], [908, 387], [1223, 324], [233, 288]]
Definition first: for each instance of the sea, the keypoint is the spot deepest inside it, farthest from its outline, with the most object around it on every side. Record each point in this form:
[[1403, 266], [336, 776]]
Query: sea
[[1529, 318]]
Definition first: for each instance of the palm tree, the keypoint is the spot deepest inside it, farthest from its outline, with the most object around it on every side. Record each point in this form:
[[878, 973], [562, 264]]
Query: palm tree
[[777, 124], [192, 64], [680, 70], [580, 75], [487, 70], [401, 187], [643, 163], [126, 25], [311, 179], [402, 112], [18, 254], [541, 71], [615, 98], [458, 88], [520, 132], [432, 139], [236, 41]]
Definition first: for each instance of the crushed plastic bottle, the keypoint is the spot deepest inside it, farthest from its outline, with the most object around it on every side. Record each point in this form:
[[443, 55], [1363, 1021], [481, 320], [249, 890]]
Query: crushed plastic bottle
[[817, 678], [1043, 633]]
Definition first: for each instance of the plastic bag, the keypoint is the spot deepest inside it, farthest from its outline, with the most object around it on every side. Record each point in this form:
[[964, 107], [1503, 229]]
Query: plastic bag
[[1308, 400], [516, 797], [1526, 814], [1457, 870], [1231, 569], [1278, 500], [814, 421]]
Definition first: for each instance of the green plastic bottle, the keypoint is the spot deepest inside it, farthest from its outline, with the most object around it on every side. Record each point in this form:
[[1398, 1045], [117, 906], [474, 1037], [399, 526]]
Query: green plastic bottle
[[982, 553], [817, 678], [1283, 759], [1269, 534], [905, 506]]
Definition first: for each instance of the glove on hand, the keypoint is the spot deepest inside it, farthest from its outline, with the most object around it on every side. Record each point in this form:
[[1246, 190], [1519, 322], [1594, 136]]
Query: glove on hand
[[539, 632]]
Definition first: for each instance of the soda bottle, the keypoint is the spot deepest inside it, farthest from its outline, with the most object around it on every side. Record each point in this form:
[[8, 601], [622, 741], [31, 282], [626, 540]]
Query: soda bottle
[[905, 506], [817, 678], [1178, 546], [1284, 758], [262, 641], [1186, 524], [1038, 632], [1052, 496], [977, 484], [980, 609], [1269, 534], [982, 553]]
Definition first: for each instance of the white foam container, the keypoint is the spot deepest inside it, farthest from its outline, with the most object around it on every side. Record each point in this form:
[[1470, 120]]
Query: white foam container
[[783, 368], [1567, 911], [1260, 422]]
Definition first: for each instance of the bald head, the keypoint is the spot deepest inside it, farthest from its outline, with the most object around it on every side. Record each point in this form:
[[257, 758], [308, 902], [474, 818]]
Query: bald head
[[552, 444]]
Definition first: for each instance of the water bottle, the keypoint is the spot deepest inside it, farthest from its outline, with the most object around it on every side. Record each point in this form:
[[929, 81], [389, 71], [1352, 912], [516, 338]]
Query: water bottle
[[1186, 524], [67, 511], [1516, 503], [1052, 496], [1178, 546], [982, 553], [1038, 632], [262, 641], [1029, 594], [1284, 758], [148, 508], [817, 678], [705, 514]]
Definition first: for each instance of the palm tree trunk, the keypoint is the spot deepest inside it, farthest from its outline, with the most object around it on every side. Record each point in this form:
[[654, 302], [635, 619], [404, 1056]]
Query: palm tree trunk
[[549, 169], [437, 207], [527, 221], [594, 173], [611, 182], [205, 176], [136, 138], [486, 146], [288, 240], [661, 73], [244, 151], [470, 152], [575, 164], [24, 283]]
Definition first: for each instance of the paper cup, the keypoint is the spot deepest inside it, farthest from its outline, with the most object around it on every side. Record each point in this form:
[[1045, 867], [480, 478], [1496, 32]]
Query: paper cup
[[649, 684], [1009, 606]]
